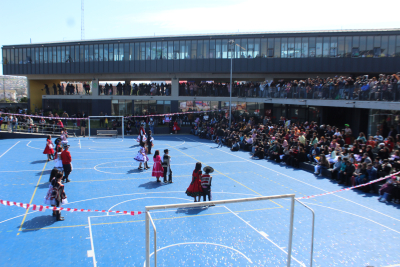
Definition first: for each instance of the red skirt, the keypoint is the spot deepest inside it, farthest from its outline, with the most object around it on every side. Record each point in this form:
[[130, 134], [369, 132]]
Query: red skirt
[[48, 150], [195, 189], [176, 128], [158, 170]]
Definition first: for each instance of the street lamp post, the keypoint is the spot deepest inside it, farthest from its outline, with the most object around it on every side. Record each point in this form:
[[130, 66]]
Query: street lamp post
[[231, 42]]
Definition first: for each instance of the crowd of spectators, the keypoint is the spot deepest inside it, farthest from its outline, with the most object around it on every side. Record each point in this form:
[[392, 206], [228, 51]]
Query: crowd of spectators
[[384, 87], [67, 89], [143, 89], [334, 151]]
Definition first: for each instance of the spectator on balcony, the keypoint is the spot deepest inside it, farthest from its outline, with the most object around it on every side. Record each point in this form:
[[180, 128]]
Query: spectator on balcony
[[54, 89]]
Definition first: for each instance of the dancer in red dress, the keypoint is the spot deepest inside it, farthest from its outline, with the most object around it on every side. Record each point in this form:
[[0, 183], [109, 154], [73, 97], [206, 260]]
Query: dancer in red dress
[[49, 150], [176, 128], [195, 190], [158, 170]]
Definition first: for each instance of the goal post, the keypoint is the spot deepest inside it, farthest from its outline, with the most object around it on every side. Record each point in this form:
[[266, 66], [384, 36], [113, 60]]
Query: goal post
[[149, 219], [106, 122]]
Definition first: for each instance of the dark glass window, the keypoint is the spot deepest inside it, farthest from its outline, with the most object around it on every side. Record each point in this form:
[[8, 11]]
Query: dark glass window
[[363, 46], [218, 49], [96, 52], [250, 48], [257, 48], [311, 47], [28, 56], [392, 46], [131, 51], [264, 46], [76, 53], [59, 54], [377, 41], [72, 53], [297, 47], [182, 49], [142, 51], [158, 52], [87, 53], [45, 60], [91, 53], [370, 46], [356, 41], [326, 47], [170, 50], [318, 47], [377, 51], [237, 48], [333, 49], [290, 47], [199, 49], [81, 53], [164, 50], [355, 52], [225, 48], [12, 56], [23, 55], [277, 48], [206, 48], [188, 49], [153, 52], [348, 46], [116, 52], [55, 54], [20, 56], [63, 54], [284, 48], [137, 51], [148, 56], [67, 54], [384, 46], [270, 52], [125, 51], [212, 48], [105, 56], [110, 52]]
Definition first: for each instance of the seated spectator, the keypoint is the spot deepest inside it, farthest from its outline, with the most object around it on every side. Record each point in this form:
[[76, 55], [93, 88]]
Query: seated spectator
[[336, 167], [314, 152], [386, 190], [322, 164], [346, 175]]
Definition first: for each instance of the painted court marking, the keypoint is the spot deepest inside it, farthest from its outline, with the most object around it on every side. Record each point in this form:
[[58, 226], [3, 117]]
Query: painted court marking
[[9, 149], [303, 182]]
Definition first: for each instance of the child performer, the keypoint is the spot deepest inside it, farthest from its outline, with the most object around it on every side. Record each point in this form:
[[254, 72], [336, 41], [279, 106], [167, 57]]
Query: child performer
[[142, 134], [57, 159], [206, 182], [195, 190], [157, 167], [149, 141], [166, 163], [141, 156], [49, 150]]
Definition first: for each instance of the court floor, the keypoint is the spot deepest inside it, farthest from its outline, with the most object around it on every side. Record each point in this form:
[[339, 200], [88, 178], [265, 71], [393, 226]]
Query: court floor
[[351, 228]]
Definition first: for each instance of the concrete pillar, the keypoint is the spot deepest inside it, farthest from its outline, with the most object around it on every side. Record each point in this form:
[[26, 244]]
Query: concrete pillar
[[175, 87], [95, 86]]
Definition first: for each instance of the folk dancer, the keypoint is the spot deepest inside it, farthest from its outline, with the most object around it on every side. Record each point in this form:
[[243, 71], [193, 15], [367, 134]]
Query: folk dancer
[[206, 182], [166, 163]]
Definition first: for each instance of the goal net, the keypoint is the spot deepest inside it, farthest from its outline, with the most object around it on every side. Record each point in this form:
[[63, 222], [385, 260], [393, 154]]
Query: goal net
[[106, 126], [235, 232]]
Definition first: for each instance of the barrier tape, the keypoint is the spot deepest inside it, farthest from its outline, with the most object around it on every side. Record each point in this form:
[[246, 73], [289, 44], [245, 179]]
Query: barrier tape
[[44, 208], [350, 188], [136, 116]]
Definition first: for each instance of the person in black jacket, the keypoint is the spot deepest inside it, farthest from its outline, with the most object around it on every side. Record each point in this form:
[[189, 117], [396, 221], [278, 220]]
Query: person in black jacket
[[59, 194], [54, 89]]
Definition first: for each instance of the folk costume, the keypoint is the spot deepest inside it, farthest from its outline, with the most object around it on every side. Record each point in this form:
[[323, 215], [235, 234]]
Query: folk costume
[[141, 155], [58, 162], [49, 150], [158, 170], [142, 134], [166, 164], [206, 182], [195, 189], [176, 127], [149, 141]]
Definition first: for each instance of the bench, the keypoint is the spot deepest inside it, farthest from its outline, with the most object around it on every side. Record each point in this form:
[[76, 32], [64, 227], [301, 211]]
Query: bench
[[108, 132]]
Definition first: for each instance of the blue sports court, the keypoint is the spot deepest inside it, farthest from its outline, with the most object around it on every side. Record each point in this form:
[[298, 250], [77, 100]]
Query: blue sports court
[[351, 228]]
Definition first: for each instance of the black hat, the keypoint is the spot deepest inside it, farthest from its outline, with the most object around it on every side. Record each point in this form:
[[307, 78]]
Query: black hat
[[166, 150], [65, 145], [208, 169]]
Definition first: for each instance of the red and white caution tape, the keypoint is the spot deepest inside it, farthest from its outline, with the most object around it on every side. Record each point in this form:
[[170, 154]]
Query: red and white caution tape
[[44, 117], [350, 188], [171, 114], [44, 208]]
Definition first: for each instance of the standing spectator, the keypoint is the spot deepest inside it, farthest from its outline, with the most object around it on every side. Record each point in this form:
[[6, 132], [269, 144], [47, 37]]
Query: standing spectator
[[67, 163], [83, 125], [54, 89]]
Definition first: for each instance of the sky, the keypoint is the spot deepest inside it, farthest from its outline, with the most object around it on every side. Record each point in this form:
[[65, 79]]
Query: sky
[[57, 20]]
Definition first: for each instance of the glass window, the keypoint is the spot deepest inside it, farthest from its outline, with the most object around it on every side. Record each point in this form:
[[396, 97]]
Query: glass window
[[341, 47], [318, 47], [257, 48], [142, 51], [67, 54], [377, 41], [170, 50], [206, 48], [326, 47], [86, 53], [356, 41], [148, 51], [284, 48], [116, 52], [297, 47], [200, 49], [277, 47], [126, 52], [36, 56], [47, 51], [176, 50], [370, 46], [33, 58], [45, 58], [218, 51], [392, 46], [76, 54], [131, 51], [193, 54], [59, 60], [121, 51], [40, 55], [377, 51], [363, 46], [96, 52], [250, 48], [243, 44], [28, 56], [158, 54], [110, 52], [355, 52], [164, 50], [72, 53], [12, 56], [384, 46], [91, 54], [4, 53], [188, 49], [153, 50], [20, 56], [304, 47], [137, 51], [105, 52], [183, 52], [225, 48], [290, 47], [347, 46], [212, 48], [63, 54], [333, 49], [264, 46], [397, 51], [237, 49]]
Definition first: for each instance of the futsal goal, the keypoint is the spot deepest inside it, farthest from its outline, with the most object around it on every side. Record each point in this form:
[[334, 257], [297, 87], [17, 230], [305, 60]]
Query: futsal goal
[[106, 126], [227, 229]]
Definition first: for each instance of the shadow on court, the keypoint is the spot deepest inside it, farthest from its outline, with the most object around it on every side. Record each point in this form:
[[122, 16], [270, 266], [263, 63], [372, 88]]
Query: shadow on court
[[44, 185], [39, 161], [191, 211], [44, 173], [151, 185], [134, 171], [38, 223]]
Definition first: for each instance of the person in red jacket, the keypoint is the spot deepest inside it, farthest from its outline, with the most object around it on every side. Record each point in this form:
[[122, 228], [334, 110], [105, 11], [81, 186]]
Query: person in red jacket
[[66, 161]]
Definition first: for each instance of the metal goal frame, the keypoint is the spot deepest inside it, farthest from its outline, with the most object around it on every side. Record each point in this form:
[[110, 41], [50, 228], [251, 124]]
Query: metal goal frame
[[149, 220]]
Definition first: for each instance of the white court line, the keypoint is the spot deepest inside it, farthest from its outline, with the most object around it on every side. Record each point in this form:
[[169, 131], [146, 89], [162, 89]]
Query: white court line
[[10, 148], [31, 146], [353, 215], [303, 182], [80, 144], [263, 235], [202, 243], [91, 243]]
